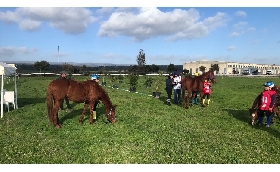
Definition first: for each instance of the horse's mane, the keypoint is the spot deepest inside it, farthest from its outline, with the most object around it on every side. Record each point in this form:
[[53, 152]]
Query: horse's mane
[[103, 95]]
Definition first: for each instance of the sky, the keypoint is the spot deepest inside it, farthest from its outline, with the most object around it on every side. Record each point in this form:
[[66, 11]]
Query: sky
[[115, 31]]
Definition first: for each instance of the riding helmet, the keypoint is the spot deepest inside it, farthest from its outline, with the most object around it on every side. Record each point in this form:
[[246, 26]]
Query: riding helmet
[[269, 84], [94, 76]]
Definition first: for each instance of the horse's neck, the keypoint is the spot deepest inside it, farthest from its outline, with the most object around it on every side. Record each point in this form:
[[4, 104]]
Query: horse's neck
[[106, 100]]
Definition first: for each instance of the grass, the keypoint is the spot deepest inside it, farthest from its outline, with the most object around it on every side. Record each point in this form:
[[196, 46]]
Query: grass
[[146, 132]]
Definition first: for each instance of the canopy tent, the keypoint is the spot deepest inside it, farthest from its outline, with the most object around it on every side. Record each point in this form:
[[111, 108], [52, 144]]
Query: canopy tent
[[7, 70]]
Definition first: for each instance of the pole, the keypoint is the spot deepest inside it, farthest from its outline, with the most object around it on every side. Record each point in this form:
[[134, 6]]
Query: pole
[[58, 53]]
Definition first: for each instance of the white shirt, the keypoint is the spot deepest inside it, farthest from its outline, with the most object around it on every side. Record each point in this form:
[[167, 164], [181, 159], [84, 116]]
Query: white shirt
[[177, 80]]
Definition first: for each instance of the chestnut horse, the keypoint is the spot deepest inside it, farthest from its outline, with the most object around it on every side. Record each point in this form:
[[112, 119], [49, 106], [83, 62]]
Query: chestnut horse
[[87, 92], [195, 84], [253, 111]]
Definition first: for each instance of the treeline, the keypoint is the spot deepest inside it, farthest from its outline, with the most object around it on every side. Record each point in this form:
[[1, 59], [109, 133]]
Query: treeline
[[54, 68]]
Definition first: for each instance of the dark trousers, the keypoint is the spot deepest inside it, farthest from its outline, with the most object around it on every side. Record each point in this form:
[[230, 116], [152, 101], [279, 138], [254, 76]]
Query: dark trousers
[[268, 115], [95, 104], [177, 96], [169, 92], [67, 103]]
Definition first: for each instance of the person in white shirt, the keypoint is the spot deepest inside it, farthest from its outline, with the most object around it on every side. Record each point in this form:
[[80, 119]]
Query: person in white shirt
[[177, 87]]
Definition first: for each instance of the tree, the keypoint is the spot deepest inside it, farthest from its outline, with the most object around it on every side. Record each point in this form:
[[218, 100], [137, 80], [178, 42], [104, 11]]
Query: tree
[[68, 68], [142, 70], [141, 58], [83, 69], [170, 68], [42, 65], [154, 68], [215, 67], [202, 69]]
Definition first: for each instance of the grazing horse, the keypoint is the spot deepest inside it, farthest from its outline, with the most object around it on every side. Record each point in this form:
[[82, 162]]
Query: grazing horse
[[254, 110], [195, 84], [87, 92]]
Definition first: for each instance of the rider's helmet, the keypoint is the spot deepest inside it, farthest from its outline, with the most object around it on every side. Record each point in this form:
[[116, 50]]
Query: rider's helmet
[[94, 76], [269, 84]]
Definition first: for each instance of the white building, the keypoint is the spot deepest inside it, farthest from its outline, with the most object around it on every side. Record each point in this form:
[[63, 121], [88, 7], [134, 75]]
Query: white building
[[229, 67]]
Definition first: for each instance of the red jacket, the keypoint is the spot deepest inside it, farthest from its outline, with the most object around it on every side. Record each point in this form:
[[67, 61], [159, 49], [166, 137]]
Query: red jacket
[[266, 99], [206, 88]]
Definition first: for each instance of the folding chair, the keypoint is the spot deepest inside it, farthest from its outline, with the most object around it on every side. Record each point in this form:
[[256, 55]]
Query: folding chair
[[9, 98]]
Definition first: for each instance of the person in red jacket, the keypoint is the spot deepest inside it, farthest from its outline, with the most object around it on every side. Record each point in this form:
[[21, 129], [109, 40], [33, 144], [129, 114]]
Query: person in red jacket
[[206, 92], [267, 104]]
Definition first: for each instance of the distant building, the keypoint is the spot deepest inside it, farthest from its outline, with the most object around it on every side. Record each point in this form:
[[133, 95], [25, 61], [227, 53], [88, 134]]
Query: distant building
[[230, 67]]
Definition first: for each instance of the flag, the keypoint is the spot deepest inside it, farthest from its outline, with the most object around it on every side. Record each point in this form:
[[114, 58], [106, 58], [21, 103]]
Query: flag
[[58, 49]]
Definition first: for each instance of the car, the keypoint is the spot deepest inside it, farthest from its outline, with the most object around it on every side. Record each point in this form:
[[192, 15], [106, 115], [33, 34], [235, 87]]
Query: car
[[269, 72]]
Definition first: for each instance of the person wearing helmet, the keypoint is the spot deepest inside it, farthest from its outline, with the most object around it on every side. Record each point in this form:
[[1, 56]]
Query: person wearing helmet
[[169, 83], [206, 92], [267, 104], [95, 78]]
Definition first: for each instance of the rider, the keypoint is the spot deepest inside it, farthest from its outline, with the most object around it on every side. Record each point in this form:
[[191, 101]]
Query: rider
[[206, 91], [267, 104], [95, 78]]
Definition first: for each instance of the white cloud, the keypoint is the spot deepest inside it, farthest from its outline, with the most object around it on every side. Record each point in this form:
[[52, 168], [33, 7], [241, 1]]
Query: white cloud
[[256, 41], [230, 48], [29, 25], [10, 51], [69, 20], [151, 22], [233, 34], [240, 25], [240, 13]]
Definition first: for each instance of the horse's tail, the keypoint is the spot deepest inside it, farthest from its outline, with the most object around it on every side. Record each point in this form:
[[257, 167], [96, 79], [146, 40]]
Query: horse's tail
[[50, 104]]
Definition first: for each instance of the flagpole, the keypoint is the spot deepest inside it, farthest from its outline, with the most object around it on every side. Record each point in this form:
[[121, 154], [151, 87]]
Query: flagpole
[[58, 53]]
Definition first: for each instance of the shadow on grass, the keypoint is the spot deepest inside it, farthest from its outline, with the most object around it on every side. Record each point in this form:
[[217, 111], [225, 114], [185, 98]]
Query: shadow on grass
[[77, 113], [28, 101], [243, 115]]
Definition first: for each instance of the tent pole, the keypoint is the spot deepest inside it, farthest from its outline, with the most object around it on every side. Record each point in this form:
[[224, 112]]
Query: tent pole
[[16, 90], [2, 95]]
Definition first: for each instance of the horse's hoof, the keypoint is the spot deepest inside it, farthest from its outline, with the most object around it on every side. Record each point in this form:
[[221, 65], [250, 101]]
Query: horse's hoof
[[58, 126]]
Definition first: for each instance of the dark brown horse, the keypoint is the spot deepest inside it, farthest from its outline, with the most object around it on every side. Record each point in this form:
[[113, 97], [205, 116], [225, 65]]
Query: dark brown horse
[[87, 92], [254, 110], [195, 84]]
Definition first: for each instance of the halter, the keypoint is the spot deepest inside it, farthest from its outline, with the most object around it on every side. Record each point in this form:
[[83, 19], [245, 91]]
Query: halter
[[110, 113]]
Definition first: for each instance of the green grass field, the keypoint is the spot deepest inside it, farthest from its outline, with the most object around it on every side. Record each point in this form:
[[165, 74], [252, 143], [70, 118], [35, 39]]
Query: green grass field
[[146, 132]]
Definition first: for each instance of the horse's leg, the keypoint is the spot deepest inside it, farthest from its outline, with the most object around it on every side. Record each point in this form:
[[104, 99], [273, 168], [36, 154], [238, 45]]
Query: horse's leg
[[188, 99], [83, 113], [91, 112], [201, 94], [55, 113], [277, 112]]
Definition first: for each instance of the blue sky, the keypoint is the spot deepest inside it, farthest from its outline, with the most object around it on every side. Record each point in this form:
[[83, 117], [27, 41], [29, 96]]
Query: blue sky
[[169, 34]]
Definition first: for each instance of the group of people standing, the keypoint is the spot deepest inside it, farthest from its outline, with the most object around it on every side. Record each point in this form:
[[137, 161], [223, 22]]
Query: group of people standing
[[173, 84]]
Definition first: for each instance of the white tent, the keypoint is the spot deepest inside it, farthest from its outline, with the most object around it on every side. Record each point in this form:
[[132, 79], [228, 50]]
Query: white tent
[[7, 70]]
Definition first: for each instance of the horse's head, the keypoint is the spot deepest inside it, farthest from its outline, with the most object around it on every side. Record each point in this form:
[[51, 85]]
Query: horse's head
[[111, 114], [253, 113], [211, 76], [212, 80]]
